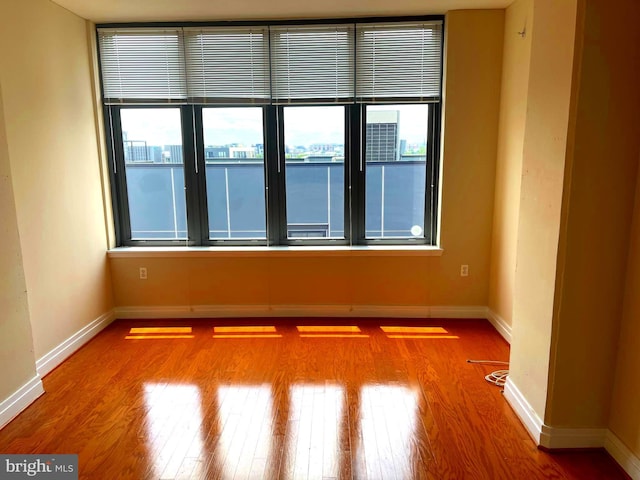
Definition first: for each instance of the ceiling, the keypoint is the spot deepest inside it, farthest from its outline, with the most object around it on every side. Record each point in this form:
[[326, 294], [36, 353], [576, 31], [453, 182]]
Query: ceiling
[[102, 11]]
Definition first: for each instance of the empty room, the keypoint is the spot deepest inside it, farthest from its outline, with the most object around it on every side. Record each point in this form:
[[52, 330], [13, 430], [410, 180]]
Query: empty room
[[342, 239]]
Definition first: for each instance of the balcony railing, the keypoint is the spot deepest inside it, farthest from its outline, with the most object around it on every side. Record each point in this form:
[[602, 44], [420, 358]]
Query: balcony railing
[[236, 199]]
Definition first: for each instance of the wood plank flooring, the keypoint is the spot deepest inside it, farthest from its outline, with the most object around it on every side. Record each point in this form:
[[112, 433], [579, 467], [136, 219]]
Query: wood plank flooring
[[298, 398]]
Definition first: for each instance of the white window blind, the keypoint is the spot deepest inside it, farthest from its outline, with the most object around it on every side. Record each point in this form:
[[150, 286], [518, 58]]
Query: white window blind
[[368, 62], [398, 62], [227, 65], [312, 63], [142, 65]]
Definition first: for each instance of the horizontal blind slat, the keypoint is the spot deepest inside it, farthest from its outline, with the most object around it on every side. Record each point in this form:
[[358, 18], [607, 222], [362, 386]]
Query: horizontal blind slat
[[142, 63], [398, 60], [312, 62], [224, 64], [281, 64]]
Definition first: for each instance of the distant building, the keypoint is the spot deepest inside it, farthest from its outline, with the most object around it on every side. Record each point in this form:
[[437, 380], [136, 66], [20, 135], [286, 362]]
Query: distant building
[[135, 151], [172, 154], [382, 141], [216, 153], [242, 152], [139, 151], [154, 153]]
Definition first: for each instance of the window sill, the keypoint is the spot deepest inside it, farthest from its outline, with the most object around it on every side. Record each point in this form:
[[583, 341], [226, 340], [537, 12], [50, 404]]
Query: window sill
[[342, 251]]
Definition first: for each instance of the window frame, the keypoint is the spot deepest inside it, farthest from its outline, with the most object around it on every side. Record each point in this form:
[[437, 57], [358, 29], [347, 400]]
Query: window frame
[[431, 181], [201, 180], [274, 159], [118, 177], [283, 227]]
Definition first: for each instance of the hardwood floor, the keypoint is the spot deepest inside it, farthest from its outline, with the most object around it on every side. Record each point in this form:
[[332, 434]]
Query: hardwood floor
[[275, 401]]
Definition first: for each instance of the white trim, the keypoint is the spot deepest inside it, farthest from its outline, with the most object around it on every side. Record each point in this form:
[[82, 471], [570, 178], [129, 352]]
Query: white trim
[[621, 454], [59, 354], [546, 436], [458, 312], [233, 311], [524, 410], [316, 251], [559, 438], [20, 399], [393, 311], [310, 311], [499, 324], [201, 311]]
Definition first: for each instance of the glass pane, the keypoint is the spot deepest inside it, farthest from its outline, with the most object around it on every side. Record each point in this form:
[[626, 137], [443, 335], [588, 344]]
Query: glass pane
[[395, 152], [152, 141], [234, 159], [314, 168]]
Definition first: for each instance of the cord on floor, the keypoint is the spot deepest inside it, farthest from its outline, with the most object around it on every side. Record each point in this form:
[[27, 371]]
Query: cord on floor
[[499, 377]]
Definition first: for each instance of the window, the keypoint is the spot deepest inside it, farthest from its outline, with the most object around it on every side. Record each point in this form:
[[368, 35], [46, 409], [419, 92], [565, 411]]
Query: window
[[314, 171], [396, 160], [154, 170], [318, 133], [235, 175]]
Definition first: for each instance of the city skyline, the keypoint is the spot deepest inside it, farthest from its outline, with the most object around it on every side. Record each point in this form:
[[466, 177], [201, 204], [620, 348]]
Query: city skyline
[[243, 125], [153, 153]]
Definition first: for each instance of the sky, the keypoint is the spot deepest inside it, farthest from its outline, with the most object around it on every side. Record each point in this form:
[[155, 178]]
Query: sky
[[243, 125]]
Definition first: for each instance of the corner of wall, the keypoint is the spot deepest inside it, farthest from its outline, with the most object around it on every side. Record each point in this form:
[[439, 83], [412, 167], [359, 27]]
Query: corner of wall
[[98, 113]]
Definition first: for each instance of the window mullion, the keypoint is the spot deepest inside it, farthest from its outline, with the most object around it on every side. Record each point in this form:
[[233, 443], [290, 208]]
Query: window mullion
[[281, 177], [193, 172], [119, 176], [274, 181], [348, 207], [431, 200], [357, 174], [201, 175]]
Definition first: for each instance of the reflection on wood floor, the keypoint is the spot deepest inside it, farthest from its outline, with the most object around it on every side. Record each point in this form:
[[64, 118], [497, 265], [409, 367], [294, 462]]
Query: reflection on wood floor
[[292, 398]]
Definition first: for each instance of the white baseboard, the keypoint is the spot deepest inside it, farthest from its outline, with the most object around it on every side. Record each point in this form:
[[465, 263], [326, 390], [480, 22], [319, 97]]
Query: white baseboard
[[457, 312], [156, 312], [545, 435], [621, 454], [524, 410], [563, 438], [21, 399], [194, 311], [499, 324], [59, 354], [235, 311], [310, 311], [416, 311]]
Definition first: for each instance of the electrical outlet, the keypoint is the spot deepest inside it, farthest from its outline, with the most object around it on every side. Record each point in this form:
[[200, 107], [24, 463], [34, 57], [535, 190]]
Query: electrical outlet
[[143, 273], [464, 270]]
